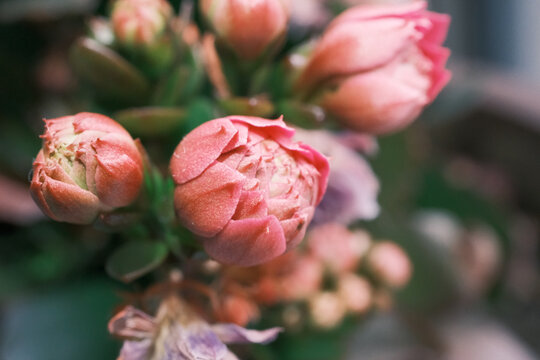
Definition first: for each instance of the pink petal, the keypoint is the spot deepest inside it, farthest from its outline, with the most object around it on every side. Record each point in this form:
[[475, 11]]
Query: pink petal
[[119, 171], [200, 148], [207, 203], [67, 202], [366, 12], [251, 205], [248, 242]]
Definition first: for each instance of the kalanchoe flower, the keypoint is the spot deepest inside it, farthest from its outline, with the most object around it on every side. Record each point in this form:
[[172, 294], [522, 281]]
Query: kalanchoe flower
[[140, 22], [245, 188], [352, 186], [178, 333], [248, 27], [88, 164], [380, 65]]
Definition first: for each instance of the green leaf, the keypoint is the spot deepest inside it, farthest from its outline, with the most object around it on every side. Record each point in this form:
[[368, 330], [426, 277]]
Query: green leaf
[[254, 106], [135, 259], [300, 114], [151, 121], [110, 75], [200, 111]]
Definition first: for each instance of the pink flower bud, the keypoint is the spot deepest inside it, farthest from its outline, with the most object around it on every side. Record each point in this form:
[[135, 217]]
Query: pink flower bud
[[238, 310], [382, 64], [356, 292], [327, 309], [88, 164], [140, 22], [245, 188], [390, 264], [248, 27], [338, 248]]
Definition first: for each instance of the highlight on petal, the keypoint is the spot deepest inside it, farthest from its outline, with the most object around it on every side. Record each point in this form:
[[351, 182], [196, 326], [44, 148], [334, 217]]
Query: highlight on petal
[[234, 334]]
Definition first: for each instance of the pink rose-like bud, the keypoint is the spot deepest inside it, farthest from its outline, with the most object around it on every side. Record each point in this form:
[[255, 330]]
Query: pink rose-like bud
[[140, 22], [383, 64], [88, 164], [245, 188], [248, 27]]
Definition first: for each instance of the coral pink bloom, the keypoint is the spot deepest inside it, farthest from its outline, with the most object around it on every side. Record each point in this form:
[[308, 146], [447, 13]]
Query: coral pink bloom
[[88, 164], [383, 64], [246, 188], [248, 27]]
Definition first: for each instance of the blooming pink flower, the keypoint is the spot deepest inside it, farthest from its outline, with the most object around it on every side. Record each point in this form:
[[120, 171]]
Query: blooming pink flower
[[248, 27], [245, 188], [140, 22], [88, 164], [383, 64]]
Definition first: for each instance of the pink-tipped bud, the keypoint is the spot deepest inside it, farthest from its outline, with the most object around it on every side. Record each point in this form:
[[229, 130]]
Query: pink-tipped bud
[[88, 164], [380, 65], [245, 188], [390, 264], [249, 27], [140, 22]]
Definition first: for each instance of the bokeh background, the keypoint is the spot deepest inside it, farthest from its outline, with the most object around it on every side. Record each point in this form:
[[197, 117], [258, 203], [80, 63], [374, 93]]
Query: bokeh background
[[459, 192]]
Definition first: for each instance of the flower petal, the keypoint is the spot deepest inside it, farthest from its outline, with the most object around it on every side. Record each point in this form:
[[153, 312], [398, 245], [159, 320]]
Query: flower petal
[[234, 334], [248, 242], [200, 148], [206, 203]]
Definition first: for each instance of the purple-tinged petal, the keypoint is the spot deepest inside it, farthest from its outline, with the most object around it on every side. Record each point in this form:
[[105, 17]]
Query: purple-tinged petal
[[196, 342], [234, 334], [136, 350]]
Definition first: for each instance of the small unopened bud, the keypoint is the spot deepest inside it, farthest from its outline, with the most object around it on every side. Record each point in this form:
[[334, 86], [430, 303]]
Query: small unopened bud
[[390, 264], [237, 310], [140, 22], [248, 27], [89, 164], [327, 309], [356, 292]]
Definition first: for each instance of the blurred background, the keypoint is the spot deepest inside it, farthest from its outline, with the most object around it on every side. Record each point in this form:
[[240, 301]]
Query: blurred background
[[459, 191]]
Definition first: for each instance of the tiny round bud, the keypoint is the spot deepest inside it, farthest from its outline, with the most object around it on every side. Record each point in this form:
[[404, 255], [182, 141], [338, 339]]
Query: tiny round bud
[[356, 292], [327, 309], [390, 264]]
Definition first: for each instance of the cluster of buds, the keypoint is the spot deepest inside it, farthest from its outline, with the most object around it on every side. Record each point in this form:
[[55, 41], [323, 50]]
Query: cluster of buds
[[338, 272]]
